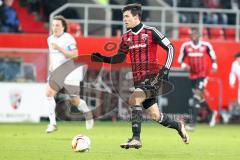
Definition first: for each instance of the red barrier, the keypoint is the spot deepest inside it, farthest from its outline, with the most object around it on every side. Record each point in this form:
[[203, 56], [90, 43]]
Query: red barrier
[[224, 50]]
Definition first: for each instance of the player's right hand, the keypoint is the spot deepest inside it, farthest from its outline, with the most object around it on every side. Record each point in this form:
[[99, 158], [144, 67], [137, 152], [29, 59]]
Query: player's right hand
[[185, 67], [96, 57]]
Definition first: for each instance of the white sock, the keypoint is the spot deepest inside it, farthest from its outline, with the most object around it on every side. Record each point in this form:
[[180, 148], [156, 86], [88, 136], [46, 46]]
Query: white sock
[[51, 104], [84, 108]]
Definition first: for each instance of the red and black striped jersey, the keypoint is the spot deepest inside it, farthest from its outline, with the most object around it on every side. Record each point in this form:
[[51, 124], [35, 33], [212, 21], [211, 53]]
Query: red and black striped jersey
[[196, 57], [141, 44]]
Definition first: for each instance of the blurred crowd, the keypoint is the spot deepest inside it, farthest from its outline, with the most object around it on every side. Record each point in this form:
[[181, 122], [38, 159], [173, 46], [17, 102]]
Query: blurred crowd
[[41, 9], [209, 18], [9, 21]]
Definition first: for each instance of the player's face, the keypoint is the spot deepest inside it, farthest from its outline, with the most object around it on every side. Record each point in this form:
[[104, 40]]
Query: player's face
[[57, 27], [129, 20], [8, 2], [195, 36]]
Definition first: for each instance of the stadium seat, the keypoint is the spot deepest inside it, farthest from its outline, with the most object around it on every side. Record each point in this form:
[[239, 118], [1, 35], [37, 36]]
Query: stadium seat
[[184, 32], [216, 34], [75, 29], [230, 33], [205, 35]]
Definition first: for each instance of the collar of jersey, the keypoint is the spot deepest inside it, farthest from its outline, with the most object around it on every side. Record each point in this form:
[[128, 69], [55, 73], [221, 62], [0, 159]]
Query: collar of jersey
[[59, 35], [137, 29], [196, 46]]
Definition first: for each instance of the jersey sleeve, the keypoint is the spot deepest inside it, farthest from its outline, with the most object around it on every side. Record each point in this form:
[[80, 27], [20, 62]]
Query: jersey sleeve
[[71, 43], [48, 42], [211, 52], [182, 54], [232, 75], [163, 41]]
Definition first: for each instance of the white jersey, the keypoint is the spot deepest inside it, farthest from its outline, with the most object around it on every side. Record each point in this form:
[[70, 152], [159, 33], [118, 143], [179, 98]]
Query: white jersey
[[235, 74], [65, 41]]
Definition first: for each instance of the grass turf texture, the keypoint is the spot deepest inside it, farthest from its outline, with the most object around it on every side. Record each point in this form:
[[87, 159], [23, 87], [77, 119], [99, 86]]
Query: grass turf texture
[[27, 141]]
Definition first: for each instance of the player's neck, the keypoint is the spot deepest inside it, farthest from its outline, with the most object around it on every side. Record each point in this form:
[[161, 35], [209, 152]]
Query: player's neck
[[137, 27], [195, 42], [59, 35]]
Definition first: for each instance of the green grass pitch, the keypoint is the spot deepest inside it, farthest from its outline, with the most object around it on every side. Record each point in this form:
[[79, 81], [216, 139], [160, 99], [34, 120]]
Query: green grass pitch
[[27, 141]]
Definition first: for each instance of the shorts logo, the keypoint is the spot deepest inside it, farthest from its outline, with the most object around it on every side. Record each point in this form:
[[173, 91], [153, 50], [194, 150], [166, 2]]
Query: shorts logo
[[15, 99]]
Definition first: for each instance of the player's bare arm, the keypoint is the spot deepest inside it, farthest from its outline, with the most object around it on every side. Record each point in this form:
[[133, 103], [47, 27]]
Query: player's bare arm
[[67, 53]]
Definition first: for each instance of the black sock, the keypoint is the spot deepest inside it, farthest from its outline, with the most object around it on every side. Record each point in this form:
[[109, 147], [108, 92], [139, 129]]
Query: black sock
[[166, 121], [210, 112], [194, 116], [136, 121], [196, 102]]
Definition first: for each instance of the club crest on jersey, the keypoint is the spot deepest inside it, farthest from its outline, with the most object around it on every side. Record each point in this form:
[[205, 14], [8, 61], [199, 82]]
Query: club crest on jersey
[[190, 49], [202, 49], [15, 99], [144, 37]]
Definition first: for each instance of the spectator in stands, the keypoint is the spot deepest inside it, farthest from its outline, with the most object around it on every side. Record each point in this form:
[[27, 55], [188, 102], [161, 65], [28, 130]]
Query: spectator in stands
[[10, 22], [235, 74], [193, 59], [2, 17], [189, 17], [50, 5], [214, 18], [34, 6]]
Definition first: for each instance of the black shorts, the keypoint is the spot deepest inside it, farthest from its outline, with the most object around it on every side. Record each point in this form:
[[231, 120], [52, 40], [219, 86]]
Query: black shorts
[[199, 83], [162, 87], [150, 91], [149, 102]]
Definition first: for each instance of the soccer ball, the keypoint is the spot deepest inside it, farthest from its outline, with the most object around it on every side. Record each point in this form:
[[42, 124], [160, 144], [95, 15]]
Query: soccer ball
[[81, 143]]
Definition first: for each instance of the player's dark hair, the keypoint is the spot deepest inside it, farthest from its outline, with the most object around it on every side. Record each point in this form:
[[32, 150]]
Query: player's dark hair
[[63, 20], [194, 29], [237, 55], [135, 9]]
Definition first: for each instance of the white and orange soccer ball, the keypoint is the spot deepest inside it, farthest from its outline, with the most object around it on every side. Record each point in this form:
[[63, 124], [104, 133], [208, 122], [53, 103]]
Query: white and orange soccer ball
[[81, 143]]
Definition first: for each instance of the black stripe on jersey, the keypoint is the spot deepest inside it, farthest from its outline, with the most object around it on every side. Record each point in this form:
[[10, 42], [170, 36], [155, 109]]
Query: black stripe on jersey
[[134, 55], [198, 64], [146, 52], [139, 53]]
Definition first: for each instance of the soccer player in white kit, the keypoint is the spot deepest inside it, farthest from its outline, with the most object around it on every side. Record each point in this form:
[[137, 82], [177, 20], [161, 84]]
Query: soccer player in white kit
[[62, 47], [235, 74]]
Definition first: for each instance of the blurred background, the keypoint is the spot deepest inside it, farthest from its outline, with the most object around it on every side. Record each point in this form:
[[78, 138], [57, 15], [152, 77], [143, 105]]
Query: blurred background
[[25, 26]]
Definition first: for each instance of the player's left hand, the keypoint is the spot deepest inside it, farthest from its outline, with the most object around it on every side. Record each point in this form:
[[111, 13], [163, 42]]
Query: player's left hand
[[214, 67], [55, 46], [162, 75]]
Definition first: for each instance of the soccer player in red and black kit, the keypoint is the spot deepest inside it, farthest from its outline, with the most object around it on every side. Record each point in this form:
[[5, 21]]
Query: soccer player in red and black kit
[[195, 53], [140, 42]]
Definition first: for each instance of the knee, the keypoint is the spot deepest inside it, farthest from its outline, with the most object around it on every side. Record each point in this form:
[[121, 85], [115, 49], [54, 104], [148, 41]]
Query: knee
[[132, 100], [50, 93], [137, 97], [75, 101], [155, 116], [198, 94]]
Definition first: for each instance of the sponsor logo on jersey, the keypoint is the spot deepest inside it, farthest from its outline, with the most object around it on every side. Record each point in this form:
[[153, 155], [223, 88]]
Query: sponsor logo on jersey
[[195, 54], [143, 45]]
